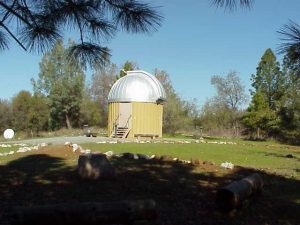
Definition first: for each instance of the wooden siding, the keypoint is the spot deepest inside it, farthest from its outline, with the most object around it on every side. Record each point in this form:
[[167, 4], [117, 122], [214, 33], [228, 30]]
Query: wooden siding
[[146, 118]]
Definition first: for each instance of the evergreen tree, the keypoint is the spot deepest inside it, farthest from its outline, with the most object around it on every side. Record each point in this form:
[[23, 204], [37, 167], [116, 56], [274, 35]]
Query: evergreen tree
[[269, 80], [259, 117], [128, 66], [62, 82], [290, 109], [267, 97], [38, 25]]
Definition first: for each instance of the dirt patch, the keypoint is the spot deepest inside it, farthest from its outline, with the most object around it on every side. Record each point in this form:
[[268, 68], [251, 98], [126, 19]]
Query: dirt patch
[[184, 193]]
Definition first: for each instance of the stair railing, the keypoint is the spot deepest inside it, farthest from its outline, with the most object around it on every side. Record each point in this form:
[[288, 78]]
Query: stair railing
[[127, 123], [115, 125]]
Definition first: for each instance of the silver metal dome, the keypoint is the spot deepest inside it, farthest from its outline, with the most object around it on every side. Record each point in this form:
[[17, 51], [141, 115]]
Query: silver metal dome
[[137, 86]]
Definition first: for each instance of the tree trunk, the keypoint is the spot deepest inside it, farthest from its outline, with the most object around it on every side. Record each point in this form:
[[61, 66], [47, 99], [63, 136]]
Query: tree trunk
[[234, 194], [68, 123], [258, 133]]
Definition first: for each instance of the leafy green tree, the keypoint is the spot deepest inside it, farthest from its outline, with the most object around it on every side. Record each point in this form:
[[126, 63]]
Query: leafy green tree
[[128, 66], [38, 25], [90, 112], [178, 114], [101, 83], [6, 115], [30, 113], [62, 82], [38, 115], [215, 117], [21, 104]]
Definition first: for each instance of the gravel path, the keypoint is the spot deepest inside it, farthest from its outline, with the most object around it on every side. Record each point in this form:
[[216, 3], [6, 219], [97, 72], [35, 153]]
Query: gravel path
[[60, 140]]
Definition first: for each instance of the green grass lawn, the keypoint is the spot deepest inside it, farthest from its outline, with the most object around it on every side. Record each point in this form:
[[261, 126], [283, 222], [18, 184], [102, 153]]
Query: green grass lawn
[[260, 155]]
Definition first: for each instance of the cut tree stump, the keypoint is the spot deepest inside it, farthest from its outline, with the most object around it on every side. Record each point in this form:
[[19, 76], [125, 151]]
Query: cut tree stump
[[233, 195], [94, 166], [124, 212]]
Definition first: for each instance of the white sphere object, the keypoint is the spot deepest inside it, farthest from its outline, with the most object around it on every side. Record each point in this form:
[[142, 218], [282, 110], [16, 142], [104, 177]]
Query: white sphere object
[[8, 134]]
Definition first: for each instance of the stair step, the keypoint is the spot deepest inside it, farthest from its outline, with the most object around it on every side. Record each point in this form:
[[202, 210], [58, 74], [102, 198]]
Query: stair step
[[121, 132]]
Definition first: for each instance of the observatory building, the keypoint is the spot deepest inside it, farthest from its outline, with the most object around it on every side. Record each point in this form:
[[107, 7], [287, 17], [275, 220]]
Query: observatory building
[[136, 106]]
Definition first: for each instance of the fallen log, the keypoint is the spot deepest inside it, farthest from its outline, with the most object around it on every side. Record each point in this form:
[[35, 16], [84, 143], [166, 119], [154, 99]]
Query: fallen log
[[124, 212], [233, 195]]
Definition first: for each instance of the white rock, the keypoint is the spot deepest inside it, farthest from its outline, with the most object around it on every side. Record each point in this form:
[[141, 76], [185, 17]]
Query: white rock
[[75, 147], [11, 152], [5, 145], [20, 144], [109, 154], [227, 165], [101, 142], [23, 149], [43, 144], [35, 147], [113, 142], [152, 157]]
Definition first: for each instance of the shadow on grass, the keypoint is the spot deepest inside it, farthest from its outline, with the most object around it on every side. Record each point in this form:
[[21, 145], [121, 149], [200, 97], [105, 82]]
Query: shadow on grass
[[185, 194]]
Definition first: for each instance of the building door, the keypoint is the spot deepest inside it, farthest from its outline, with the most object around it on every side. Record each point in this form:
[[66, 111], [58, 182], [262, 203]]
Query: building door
[[125, 114]]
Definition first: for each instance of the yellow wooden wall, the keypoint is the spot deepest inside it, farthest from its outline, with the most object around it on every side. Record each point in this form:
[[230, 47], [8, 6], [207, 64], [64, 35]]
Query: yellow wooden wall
[[113, 112], [146, 118]]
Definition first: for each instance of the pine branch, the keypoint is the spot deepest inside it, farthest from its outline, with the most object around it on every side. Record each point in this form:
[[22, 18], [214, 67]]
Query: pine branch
[[11, 10], [12, 35], [290, 35], [232, 5], [8, 12]]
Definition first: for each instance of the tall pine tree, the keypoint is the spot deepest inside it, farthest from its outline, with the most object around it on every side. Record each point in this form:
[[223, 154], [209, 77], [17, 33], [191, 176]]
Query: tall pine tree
[[290, 109], [267, 95], [269, 80]]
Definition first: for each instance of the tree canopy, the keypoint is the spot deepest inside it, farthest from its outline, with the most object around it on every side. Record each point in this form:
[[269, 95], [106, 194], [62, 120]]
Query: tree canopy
[[37, 25], [62, 81]]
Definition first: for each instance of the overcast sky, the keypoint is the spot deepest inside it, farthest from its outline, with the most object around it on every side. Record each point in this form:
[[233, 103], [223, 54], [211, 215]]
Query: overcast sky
[[195, 41]]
